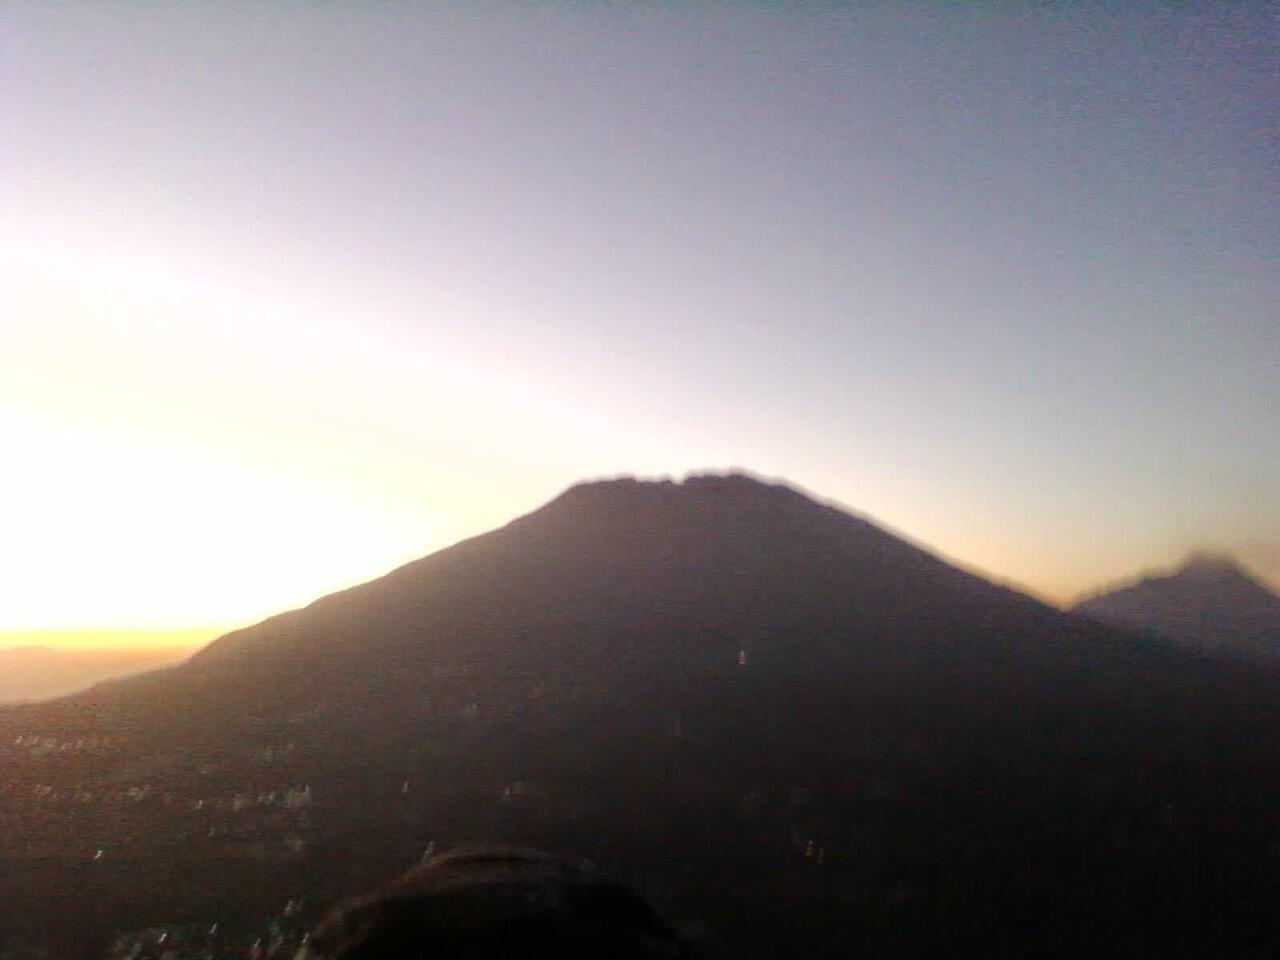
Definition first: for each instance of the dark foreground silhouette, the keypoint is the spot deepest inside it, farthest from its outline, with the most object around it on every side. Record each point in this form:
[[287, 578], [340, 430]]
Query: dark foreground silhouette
[[496, 902]]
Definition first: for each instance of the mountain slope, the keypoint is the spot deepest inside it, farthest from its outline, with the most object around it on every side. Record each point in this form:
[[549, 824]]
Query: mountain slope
[[1210, 604], [613, 574], [775, 716]]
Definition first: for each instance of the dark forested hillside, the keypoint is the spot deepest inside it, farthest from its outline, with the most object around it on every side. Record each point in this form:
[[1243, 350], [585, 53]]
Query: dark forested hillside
[[789, 728]]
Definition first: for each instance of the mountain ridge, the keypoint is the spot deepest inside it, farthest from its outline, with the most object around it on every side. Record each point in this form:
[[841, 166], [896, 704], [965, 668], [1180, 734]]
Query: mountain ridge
[[653, 513], [637, 529]]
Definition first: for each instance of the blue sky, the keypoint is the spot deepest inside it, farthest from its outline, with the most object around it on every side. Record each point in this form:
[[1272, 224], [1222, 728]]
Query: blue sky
[[347, 282]]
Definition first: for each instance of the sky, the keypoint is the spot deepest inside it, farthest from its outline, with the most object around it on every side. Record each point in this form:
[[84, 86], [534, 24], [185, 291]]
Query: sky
[[293, 293]]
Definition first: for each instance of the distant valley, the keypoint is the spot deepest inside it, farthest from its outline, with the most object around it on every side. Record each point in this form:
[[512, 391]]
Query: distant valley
[[30, 673]]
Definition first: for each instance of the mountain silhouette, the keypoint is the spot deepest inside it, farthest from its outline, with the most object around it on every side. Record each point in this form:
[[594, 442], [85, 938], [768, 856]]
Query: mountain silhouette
[[780, 720], [1210, 603]]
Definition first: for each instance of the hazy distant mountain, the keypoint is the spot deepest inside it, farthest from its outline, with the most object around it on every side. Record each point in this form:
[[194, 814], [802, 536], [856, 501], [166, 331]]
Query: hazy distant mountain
[[1210, 603], [776, 716], [40, 673]]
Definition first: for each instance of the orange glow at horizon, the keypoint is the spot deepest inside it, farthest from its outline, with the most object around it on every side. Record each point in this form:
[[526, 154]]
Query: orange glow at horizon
[[114, 638]]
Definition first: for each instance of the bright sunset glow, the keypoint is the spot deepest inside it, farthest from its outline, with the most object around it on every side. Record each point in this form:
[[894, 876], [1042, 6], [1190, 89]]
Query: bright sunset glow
[[292, 294], [120, 638]]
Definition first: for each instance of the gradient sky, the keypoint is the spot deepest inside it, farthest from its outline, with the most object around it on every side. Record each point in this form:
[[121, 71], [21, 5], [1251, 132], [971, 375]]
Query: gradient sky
[[291, 293]]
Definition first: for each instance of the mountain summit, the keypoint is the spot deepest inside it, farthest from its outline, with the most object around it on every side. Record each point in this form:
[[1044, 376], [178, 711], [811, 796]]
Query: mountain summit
[[698, 568], [1210, 603]]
